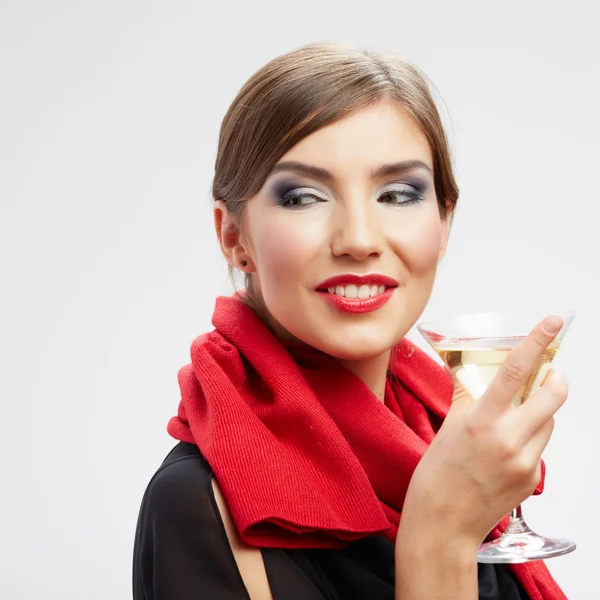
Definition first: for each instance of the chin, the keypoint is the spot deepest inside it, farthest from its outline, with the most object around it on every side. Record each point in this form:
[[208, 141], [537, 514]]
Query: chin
[[355, 339], [353, 346]]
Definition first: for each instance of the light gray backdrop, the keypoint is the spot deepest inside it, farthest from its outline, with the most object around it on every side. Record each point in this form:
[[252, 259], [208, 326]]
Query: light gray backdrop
[[109, 115]]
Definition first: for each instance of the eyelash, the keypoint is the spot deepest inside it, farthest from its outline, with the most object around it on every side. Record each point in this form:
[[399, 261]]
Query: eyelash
[[413, 196]]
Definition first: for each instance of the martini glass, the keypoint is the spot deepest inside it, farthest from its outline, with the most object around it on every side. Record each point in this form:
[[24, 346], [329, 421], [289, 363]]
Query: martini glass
[[474, 346]]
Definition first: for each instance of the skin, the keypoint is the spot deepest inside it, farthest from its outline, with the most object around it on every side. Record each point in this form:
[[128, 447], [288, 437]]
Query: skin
[[486, 457]]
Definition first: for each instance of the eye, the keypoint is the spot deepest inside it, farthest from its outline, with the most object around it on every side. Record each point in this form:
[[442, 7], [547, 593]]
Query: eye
[[297, 198], [401, 197]]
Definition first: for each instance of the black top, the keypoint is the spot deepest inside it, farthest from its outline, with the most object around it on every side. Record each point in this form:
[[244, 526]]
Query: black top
[[181, 551]]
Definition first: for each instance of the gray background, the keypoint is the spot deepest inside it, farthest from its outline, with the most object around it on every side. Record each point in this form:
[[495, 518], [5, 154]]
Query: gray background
[[109, 115]]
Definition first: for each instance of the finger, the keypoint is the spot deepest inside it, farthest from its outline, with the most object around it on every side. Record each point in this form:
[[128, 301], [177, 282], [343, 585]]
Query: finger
[[532, 452], [462, 401], [458, 391], [537, 444], [517, 367], [450, 373], [542, 405]]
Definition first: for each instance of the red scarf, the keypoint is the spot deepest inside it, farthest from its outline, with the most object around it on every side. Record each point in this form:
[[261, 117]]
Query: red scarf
[[306, 455]]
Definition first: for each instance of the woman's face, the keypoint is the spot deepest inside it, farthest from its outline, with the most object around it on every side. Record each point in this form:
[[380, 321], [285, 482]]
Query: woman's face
[[348, 220]]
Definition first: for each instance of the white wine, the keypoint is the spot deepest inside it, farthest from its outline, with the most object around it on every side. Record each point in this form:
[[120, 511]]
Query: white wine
[[475, 363], [475, 346]]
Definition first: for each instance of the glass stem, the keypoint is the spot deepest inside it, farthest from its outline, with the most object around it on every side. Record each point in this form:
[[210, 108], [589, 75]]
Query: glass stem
[[517, 523]]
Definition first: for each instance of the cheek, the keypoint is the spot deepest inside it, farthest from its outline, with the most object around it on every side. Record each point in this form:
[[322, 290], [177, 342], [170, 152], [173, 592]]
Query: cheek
[[283, 251], [419, 245]]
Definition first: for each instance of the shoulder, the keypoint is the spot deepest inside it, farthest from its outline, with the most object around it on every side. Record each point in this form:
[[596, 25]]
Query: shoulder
[[183, 465], [180, 486], [186, 539], [180, 548]]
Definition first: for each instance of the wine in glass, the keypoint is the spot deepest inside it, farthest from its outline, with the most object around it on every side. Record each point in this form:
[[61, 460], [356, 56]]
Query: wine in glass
[[474, 346]]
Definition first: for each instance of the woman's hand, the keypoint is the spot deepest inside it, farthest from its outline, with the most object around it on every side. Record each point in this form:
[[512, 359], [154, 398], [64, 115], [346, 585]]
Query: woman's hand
[[486, 458]]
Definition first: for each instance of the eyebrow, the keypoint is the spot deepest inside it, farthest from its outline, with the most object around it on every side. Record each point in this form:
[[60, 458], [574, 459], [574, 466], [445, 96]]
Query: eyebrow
[[398, 168]]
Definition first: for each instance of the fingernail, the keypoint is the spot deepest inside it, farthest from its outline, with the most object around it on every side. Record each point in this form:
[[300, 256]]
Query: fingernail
[[552, 324]]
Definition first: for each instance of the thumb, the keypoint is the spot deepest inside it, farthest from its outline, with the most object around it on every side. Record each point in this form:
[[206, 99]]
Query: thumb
[[462, 401], [459, 392]]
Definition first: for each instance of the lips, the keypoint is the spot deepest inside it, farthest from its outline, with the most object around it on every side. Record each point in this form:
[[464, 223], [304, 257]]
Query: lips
[[357, 293]]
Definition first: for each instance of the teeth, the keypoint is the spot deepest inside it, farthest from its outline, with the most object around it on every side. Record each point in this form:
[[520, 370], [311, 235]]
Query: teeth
[[357, 292], [351, 291], [364, 291]]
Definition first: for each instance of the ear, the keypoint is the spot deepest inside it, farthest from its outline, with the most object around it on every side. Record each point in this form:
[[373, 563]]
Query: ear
[[229, 238], [445, 230]]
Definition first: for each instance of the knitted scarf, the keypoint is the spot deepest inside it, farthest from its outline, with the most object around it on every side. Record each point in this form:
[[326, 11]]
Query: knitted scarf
[[305, 454]]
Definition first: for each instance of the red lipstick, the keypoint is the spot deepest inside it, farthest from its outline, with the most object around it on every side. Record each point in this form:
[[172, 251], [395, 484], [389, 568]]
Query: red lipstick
[[357, 305]]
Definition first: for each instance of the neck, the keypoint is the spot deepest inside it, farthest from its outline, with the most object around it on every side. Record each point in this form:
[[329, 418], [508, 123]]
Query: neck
[[372, 372]]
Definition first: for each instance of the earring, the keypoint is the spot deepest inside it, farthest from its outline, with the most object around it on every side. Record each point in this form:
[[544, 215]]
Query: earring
[[244, 263]]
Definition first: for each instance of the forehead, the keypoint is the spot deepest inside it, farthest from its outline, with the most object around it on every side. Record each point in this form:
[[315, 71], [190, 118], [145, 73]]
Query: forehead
[[368, 137]]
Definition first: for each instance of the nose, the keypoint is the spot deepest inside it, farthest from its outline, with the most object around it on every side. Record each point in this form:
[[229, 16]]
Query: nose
[[356, 230]]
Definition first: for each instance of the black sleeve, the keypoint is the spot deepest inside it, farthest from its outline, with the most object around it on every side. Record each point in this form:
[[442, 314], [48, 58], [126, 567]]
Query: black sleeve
[[181, 551]]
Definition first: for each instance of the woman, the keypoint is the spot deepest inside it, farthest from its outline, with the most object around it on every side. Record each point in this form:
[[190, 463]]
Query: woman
[[321, 454]]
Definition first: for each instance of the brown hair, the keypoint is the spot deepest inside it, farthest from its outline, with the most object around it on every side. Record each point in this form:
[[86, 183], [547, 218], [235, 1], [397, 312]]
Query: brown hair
[[300, 92]]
